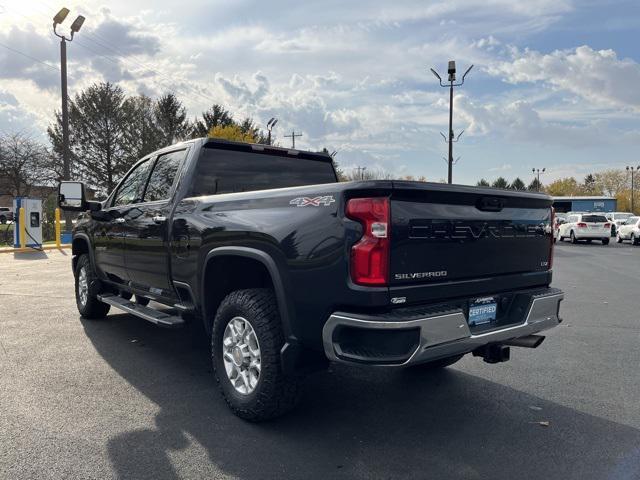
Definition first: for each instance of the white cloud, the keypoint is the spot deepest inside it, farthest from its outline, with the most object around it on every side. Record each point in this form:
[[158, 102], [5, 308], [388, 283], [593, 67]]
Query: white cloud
[[596, 75]]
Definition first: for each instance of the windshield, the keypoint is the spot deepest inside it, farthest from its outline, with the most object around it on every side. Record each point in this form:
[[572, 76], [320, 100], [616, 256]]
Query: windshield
[[594, 218], [621, 216]]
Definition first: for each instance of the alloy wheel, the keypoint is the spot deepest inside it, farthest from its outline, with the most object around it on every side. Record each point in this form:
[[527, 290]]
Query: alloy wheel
[[83, 286], [241, 355]]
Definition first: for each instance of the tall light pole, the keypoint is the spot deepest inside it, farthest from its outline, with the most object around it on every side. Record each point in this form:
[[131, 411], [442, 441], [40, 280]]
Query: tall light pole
[[270, 124], [538, 172], [452, 78], [632, 170], [75, 28]]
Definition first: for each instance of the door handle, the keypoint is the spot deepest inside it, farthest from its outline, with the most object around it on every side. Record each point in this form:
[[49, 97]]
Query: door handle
[[119, 220], [159, 219]]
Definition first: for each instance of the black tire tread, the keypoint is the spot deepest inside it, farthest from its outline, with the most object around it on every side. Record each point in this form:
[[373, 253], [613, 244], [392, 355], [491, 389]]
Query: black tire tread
[[94, 309], [276, 394]]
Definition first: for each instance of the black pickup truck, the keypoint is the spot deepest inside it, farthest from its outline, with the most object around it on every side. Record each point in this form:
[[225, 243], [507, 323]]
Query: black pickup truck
[[289, 269]]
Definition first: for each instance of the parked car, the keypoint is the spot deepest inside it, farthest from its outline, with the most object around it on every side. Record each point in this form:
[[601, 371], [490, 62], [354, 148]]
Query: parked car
[[6, 215], [629, 230], [559, 219], [586, 226], [617, 219], [289, 269]]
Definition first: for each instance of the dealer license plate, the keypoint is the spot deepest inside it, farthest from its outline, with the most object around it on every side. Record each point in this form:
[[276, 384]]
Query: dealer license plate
[[482, 310]]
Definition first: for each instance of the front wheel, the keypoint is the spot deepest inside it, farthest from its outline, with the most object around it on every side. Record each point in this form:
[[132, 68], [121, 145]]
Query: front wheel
[[87, 289], [634, 240], [618, 238], [245, 346]]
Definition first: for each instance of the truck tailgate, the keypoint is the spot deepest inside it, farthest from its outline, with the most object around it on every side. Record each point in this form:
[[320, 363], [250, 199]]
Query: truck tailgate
[[443, 233]]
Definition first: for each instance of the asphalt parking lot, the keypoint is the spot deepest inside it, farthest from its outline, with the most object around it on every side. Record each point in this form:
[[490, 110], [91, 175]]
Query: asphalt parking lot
[[121, 398]]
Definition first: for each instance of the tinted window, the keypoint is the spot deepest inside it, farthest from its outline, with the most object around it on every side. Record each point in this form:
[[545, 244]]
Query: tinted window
[[163, 175], [131, 189], [594, 218], [226, 171]]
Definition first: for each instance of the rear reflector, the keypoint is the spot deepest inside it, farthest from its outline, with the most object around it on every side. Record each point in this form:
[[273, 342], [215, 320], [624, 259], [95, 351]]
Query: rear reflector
[[370, 255]]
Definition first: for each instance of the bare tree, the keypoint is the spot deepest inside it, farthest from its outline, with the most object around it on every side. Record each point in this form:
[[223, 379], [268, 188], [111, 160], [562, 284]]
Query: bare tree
[[24, 163]]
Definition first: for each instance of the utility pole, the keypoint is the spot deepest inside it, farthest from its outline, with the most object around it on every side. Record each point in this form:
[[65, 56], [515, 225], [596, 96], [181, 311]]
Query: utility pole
[[360, 170], [75, 28], [270, 124], [452, 78], [293, 137], [538, 172], [632, 170]]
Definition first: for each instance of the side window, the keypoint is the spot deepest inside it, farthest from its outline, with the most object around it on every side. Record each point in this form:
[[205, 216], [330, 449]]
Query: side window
[[132, 188], [163, 176]]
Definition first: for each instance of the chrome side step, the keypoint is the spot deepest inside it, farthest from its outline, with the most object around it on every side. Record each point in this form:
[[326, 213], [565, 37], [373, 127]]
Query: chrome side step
[[146, 313]]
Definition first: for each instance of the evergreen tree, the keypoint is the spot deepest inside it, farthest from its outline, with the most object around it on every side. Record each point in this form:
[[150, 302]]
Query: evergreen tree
[[171, 119], [216, 116], [98, 126], [482, 183], [518, 184], [535, 186], [500, 182]]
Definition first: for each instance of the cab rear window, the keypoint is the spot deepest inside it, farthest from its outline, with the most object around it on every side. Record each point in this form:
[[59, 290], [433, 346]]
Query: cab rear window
[[227, 171]]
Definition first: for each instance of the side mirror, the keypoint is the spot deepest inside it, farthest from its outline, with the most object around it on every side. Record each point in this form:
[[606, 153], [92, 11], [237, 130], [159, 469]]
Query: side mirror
[[72, 198]]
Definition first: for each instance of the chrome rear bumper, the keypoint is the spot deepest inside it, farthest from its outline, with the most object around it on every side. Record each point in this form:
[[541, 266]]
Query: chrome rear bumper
[[437, 335]]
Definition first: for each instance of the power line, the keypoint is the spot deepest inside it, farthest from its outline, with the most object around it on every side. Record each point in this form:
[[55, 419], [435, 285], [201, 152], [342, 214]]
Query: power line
[[169, 83], [29, 56]]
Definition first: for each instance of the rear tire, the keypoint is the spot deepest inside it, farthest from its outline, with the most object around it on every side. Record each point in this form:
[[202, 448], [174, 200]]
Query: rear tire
[[437, 364], [634, 240], [573, 238], [88, 286], [246, 356], [605, 241]]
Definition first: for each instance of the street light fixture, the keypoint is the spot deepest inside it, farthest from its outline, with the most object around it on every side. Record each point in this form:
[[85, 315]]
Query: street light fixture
[[632, 170], [75, 28], [270, 124], [451, 70], [538, 172]]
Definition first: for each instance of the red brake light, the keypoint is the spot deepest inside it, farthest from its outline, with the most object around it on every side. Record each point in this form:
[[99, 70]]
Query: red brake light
[[607, 225], [582, 225], [370, 255]]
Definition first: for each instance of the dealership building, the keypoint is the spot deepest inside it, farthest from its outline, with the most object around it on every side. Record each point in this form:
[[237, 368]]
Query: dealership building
[[585, 204]]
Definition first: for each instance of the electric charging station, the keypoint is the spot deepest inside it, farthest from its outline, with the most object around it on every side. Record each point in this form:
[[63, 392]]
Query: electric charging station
[[33, 220]]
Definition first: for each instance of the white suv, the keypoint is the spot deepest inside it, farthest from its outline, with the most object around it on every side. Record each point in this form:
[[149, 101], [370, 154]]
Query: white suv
[[586, 226], [617, 219], [629, 230]]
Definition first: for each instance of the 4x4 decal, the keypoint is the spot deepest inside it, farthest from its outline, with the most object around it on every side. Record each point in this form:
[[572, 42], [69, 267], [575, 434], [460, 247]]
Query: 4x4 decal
[[313, 201]]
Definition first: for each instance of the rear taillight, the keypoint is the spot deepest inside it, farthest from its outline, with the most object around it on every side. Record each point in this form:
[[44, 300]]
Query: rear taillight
[[607, 225], [581, 225], [553, 234], [370, 255]]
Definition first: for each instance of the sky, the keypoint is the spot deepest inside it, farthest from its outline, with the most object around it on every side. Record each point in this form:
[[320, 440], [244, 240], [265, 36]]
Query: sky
[[555, 83]]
